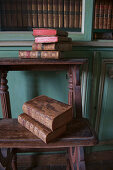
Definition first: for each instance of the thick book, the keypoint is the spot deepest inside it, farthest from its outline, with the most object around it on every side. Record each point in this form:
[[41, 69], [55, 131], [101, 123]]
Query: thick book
[[109, 15], [96, 16], [19, 14], [48, 32], [55, 14], [34, 13], [101, 15], [41, 54], [40, 13], [48, 111], [71, 13], [77, 14], [60, 13], [52, 39], [105, 14], [50, 13], [52, 46], [45, 15], [66, 14], [42, 132]]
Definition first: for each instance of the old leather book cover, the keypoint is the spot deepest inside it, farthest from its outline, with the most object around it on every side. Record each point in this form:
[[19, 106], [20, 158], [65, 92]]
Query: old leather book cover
[[48, 111], [44, 133], [51, 39], [48, 32], [52, 46]]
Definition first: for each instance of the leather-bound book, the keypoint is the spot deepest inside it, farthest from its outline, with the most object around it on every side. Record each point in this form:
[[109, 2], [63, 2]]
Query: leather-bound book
[[14, 13], [40, 13], [50, 13], [19, 14], [34, 13], [80, 21], [42, 132], [66, 14], [52, 39], [105, 14], [52, 46], [71, 13], [48, 32], [45, 15], [41, 54], [48, 111], [55, 14], [8, 14], [109, 15], [29, 8], [24, 14], [77, 14], [112, 17], [96, 15], [101, 14], [60, 13]]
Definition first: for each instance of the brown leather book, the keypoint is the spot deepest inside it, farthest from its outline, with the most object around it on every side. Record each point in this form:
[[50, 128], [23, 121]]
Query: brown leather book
[[19, 13], [45, 15], [60, 13], [71, 13], [105, 14], [66, 14], [77, 14], [55, 14], [40, 13], [34, 13], [42, 132], [50, 13], [96, 15], [101, 15], [109, 15], [52, 46], [48, 111], [24, 14]]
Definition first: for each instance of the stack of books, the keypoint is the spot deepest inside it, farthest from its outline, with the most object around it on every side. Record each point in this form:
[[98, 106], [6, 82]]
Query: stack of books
[[45, 117], [49, 43]]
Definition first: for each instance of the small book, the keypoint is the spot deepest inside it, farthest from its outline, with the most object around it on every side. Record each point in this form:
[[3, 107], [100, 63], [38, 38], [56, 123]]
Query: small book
[[52, 46], [45, 15], [71, 13], [48, 32], [96, 16], [51, 39], [42, 54], [66, 14], [77, 14], [44, 133], [48, 111], [50, 13], [60, 13], [101, 15]]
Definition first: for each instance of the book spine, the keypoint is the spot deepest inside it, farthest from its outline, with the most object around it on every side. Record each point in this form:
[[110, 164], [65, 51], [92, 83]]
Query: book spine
[[36, 129], [80, 21], [40, 13], [19, 14], [4, 15], [8, 14], [34, 13], [45, 15], [40, 54], [105, 14], [101, 15], [109, 15], [53, 46], [96, 14], [66, 13], [0, 18], [14, 14], [55, 14], [50, 13], [71, 13], [60, 13], [77, 14], [51, 39], [29, 8], [24, 14], [112, 17]]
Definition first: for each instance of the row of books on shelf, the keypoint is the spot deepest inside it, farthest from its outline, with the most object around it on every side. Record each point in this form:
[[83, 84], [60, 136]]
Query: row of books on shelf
[[38, 13], [45, 117], [103, 17], [48, 44]]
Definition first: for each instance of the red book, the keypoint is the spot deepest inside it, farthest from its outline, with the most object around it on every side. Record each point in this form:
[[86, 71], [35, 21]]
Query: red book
[[48, 32], [51, 39]]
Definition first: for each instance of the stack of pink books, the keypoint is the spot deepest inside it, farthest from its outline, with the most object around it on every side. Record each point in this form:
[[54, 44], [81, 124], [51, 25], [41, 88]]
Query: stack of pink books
[[49, 43]]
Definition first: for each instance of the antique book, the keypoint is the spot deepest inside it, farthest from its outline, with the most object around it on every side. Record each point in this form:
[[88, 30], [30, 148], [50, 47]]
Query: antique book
[[80, 21], [52, 46], [66, 14], [103, 36], [40, 13], [24, 14], [48, 111], [50, 13], [8, 14], [77, 14], [105, 14], [38, 129], [60, 13], [109, 15], [19, 13], [41, 54], [112, 19], [45, 15], [14, 13], [52, 39], [96, 15], [71, 13], [34, 13], [101, 15], [48, 32], [55, 14]]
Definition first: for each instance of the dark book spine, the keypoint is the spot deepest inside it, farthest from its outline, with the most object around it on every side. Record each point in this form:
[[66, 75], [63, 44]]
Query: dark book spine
[[45, 15], [14, 14], [4, 15], [55, 14], [80, 21], [40, 13], [34, 13], [66, 13], [24, 14], [112, 17], [0, 17], [96, 15], [109, 15], [71, 13], [29, 8], [19, 14], [101, 15], [50, 13], [105, 14], [77, 14], [8, 14], [61, 13]]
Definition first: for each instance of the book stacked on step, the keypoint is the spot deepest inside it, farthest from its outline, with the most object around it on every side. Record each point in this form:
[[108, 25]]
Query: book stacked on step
[[45, 117], [49, 43]]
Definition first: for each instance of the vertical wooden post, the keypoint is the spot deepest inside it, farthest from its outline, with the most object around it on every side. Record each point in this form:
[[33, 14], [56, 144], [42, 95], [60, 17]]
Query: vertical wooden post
[[5, 100], [80, 158]]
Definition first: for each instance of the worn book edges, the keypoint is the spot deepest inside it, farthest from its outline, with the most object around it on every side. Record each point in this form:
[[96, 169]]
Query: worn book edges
[[40, 13], [50, 13], [52, 39], [48, 32], [44, 133], [45, 15], [49, 112], [52, 46], [60, 13]]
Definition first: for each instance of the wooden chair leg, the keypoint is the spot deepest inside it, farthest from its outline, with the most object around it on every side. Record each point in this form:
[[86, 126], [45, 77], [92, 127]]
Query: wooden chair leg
[[14, 161], [80, 158]]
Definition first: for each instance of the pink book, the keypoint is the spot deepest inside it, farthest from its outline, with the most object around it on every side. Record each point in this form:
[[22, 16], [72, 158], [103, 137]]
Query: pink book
[[48, 32], [51, 39]]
